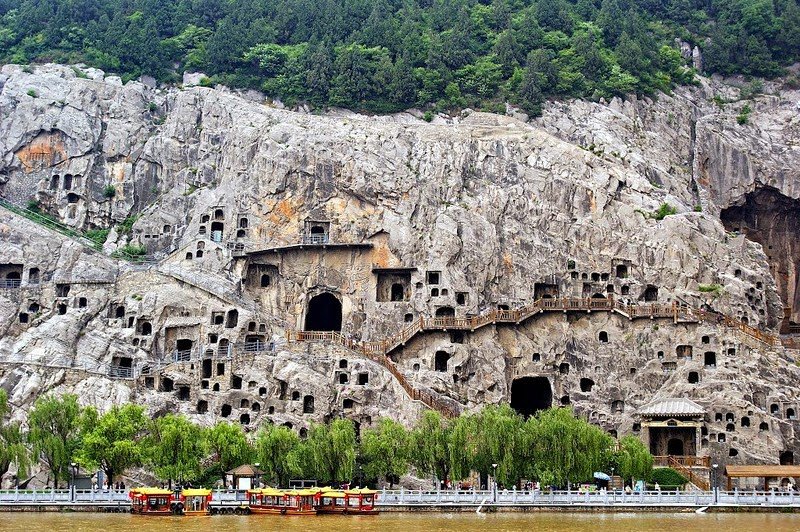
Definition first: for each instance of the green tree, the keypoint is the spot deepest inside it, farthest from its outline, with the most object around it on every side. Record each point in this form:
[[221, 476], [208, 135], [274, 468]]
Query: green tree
[[634, 460], [229, 445], [385, 450], [331, 451], [53, 432], [174, 447], [561, 449], [430, 444], [112, 441], [276, 448], [13, 448]]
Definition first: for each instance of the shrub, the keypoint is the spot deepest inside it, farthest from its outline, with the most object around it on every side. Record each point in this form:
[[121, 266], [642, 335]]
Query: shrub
[[32, 205], [666, 476], [715, 289], [98, 236], [110, 191], [32, 93], [131, 251], [126, 225], [428, 116], [79, 73], [744, 116], [152, 107], [206, 82], [664, 210]]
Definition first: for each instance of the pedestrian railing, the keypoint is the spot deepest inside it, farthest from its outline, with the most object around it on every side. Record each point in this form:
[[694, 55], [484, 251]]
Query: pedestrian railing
[[586, 498], [449, 498]]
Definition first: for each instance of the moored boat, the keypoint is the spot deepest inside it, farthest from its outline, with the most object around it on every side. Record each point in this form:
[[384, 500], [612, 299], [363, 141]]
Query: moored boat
[[331, 501], [152, 501], [196, 502], [266, 501], [361, 502], [301, 502]]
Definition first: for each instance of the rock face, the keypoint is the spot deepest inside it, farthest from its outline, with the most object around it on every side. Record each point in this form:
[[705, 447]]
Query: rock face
[[262, 222]]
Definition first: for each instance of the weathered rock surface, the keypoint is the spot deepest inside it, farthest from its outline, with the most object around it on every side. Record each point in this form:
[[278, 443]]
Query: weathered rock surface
[[454, 218]]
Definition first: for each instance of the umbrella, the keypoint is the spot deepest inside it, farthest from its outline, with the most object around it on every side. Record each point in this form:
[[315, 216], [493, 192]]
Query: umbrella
[[601, 476]]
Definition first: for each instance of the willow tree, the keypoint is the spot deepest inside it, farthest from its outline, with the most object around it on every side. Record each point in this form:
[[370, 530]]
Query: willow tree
[[496, 438], [462, 445], [53, 432], [112, 441], [385, 450], [229, 445], [564, 449], [13, 450], [634, 460], [174, 447], [276, 450], [331, 451], [430, 444]]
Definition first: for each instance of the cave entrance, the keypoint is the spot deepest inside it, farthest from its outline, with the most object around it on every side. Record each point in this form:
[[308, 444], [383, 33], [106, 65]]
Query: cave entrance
[[675, 447], [324, 313], [773, 220], [531, 394]]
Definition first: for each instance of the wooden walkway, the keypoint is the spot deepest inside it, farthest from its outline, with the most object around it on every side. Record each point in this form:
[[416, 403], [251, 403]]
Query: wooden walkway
[[378, 350]]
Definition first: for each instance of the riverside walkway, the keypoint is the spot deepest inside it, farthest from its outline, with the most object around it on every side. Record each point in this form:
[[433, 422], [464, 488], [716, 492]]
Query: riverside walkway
[[226, 501]]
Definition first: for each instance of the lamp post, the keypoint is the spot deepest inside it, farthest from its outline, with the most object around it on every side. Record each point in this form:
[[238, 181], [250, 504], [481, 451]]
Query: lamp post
[[73, 471], [258, 475], [494, 482], [714, 468]]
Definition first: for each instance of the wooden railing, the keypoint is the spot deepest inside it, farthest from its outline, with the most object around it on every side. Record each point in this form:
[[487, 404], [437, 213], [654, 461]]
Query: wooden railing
[[378, 350], [687, 461], [689, 473]]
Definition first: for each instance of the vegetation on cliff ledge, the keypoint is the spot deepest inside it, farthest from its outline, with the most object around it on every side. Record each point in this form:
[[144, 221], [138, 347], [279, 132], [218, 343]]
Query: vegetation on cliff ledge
[[387, 55]]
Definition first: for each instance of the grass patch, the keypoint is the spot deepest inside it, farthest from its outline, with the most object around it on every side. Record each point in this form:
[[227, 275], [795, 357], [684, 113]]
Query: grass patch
[[98, 236], [744, 115], [126, 226], [664, 210], [715, 289]]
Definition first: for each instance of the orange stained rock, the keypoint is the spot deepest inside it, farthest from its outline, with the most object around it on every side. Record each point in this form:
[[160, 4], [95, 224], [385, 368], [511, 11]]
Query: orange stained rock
[[44, 151], [508, 262], [284, 211]]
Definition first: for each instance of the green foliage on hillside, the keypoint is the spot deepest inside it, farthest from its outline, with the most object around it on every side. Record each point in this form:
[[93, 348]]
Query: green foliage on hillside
[[385, 55]]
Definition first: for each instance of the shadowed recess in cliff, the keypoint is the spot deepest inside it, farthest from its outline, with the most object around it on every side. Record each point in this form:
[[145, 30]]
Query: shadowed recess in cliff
[[773, 220], [324, 313], [531, 394]]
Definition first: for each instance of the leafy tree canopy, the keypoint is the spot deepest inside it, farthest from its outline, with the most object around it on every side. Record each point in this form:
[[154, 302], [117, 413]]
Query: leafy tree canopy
[[384, 56]]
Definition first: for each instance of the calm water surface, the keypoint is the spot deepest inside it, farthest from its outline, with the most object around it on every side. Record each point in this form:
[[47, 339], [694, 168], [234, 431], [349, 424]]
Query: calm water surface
[[399, 522]]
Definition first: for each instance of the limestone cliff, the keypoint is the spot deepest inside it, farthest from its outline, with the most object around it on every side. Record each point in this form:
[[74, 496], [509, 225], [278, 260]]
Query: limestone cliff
[[259, 222]]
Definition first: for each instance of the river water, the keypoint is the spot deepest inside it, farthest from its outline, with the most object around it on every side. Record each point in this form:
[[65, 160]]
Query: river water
[[402, 522]]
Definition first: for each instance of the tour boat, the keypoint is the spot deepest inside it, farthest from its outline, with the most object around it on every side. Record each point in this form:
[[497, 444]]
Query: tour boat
[[301, 502], [152, 501], [361, 501], [266, 501], [195, 502], [332, 501]]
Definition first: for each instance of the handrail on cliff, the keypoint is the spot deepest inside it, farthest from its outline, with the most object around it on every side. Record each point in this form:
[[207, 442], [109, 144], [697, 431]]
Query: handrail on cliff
[[80, 237], [378, 350]]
